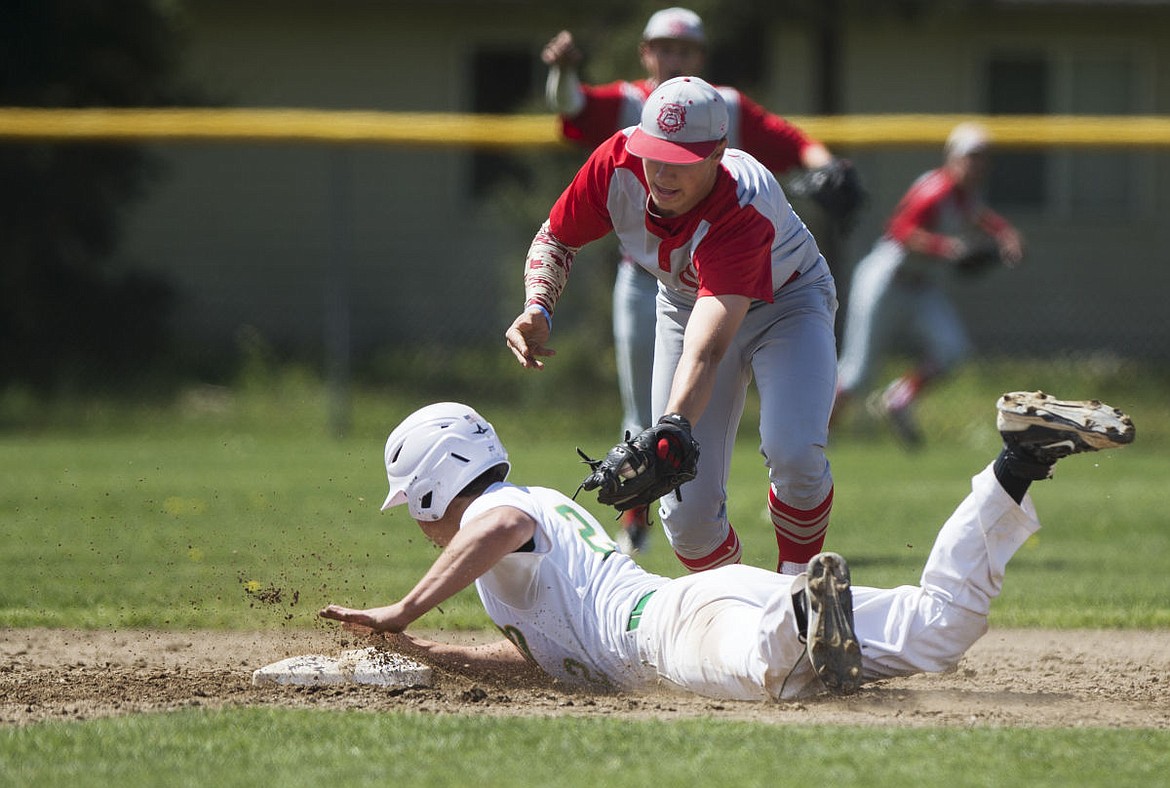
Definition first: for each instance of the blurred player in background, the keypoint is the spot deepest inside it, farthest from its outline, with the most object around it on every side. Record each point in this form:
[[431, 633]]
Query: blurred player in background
[[673, 44], [940, 226], [573, 607], [744, 293]]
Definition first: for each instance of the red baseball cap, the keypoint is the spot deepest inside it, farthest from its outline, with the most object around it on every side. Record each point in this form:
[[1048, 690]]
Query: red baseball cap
[[683, 121]]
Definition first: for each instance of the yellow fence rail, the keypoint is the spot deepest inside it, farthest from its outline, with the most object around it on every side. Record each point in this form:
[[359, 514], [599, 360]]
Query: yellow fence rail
[[437, 129]]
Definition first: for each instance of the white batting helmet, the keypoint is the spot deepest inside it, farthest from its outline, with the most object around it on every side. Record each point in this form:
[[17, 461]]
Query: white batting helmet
[[436, 452]]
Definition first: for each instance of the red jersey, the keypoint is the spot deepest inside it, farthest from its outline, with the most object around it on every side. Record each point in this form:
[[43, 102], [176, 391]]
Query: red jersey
[[936, 204], [742, 239]]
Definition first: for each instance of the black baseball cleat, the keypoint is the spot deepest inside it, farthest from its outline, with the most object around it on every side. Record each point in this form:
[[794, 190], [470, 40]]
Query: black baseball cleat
[[1039, 427], [832, 647]]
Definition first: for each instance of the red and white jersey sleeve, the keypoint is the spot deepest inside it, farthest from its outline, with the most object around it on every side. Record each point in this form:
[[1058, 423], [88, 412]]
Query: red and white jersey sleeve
[[608, 108], [743, 239]]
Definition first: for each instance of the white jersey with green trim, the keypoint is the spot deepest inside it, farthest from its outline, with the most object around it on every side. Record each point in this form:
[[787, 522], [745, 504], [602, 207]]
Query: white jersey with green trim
[[567, 602]]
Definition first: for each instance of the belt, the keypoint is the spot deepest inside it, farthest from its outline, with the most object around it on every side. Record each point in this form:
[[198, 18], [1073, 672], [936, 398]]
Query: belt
[[636, 613]]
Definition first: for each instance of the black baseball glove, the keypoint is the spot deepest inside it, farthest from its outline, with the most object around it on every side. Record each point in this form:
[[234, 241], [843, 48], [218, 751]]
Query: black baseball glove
[[642, 469], [978, 259], [836, 187]]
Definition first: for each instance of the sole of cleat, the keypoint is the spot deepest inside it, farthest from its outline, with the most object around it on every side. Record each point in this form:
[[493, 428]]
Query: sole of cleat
[[833, 649], [1096, 425]]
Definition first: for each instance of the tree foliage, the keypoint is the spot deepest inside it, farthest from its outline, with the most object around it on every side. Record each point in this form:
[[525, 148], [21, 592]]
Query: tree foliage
[[71, 312]]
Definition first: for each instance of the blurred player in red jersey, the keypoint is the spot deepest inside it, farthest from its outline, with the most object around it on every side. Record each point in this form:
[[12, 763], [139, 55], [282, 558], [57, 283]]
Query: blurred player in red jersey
[[940, 225]]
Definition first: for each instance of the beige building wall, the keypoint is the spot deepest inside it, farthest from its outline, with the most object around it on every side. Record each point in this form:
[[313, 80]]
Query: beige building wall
[[263, 235], [1089, 275], [260, 234]]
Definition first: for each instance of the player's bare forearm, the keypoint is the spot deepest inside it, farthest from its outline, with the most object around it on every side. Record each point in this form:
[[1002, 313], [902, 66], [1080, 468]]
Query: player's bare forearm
[[499, 660], [476, 547], [1011, 246], [694, 379], [710, 329]]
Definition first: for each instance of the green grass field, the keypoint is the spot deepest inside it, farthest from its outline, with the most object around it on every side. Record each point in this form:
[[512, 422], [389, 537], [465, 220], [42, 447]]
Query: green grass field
[[236, 509], [298, 748]]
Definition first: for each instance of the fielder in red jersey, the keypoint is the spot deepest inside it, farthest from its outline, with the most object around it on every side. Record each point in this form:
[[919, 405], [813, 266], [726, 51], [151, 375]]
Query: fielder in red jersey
[[673, 44], [743, 293]]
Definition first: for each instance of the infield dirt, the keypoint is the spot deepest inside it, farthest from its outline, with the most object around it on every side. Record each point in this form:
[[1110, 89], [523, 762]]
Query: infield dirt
[[1010, 678]]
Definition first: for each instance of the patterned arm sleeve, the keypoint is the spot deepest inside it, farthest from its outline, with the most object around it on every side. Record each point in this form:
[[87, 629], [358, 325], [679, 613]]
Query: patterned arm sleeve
[[546, 270]]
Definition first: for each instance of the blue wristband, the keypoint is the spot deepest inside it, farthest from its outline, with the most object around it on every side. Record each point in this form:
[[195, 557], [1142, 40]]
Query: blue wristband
[[538, 308]]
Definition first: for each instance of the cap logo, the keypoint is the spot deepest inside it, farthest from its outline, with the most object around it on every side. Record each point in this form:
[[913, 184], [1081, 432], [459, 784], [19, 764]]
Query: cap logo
[[672, 118]]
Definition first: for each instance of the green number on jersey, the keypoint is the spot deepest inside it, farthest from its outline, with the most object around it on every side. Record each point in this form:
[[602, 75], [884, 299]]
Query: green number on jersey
[[597, 539]]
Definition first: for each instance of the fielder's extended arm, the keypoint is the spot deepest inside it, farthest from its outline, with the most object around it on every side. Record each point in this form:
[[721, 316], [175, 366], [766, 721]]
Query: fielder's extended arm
[[562, 89], [546, 272], [710, 329]]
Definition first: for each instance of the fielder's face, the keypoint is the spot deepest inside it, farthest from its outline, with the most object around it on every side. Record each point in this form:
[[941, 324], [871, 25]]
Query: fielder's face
[[667, 58], [677, 188], [970, 171]]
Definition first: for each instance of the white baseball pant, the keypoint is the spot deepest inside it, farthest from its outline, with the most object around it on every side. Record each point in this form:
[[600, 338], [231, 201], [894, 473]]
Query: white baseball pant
[[731, 632]]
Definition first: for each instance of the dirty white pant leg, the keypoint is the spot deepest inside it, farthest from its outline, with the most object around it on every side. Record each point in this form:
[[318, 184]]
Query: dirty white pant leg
[[928, 628], [722, 633]]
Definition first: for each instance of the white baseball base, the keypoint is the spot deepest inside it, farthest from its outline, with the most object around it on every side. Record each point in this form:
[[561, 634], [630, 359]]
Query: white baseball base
[[355, 666]]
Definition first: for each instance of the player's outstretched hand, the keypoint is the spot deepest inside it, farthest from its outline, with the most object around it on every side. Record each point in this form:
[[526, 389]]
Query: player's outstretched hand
[[526, 338], [374, 619]]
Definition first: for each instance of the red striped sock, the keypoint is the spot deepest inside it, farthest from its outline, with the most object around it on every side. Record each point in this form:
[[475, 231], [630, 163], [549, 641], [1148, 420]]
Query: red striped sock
[[800, 533], [729, 552]]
